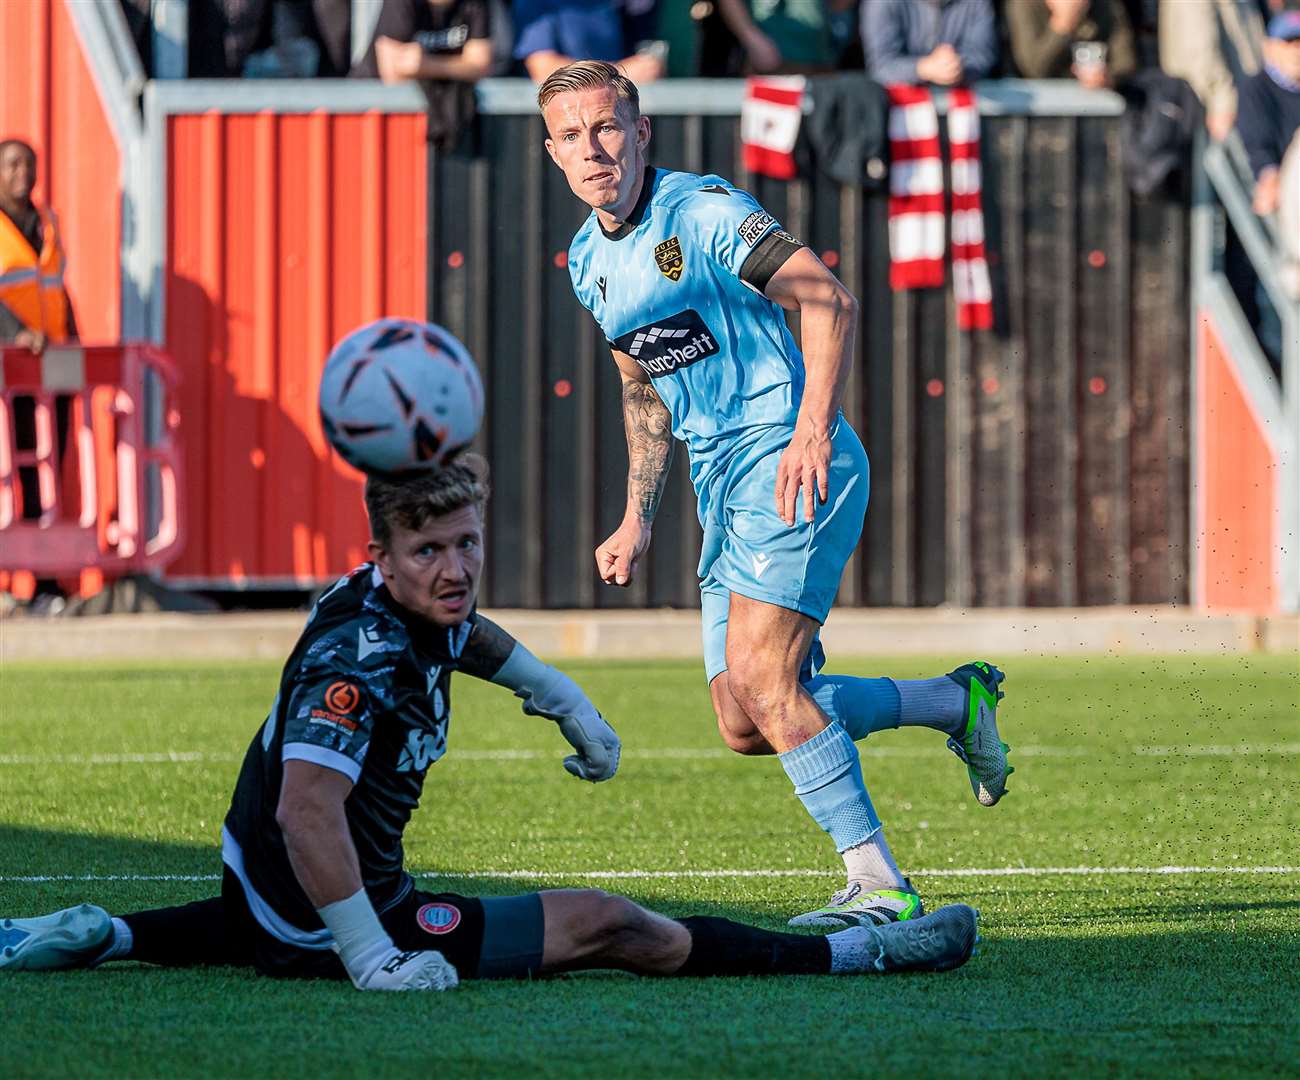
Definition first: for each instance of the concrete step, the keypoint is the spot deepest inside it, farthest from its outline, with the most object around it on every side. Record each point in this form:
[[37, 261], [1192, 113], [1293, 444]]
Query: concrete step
[[676, 634]]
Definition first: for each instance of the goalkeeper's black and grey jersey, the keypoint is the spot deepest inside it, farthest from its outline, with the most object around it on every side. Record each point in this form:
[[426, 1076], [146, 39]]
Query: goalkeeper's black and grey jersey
[[367, 692]]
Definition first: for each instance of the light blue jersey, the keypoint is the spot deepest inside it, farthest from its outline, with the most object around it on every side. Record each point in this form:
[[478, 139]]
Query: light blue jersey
[[679, 288], [666, 289]]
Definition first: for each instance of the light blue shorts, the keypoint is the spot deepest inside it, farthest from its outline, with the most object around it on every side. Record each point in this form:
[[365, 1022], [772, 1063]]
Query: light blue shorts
[[749, 550]]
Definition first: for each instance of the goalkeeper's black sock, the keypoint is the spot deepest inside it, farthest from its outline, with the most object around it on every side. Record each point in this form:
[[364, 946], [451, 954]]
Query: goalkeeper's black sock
[[723, 947], [184, 936]]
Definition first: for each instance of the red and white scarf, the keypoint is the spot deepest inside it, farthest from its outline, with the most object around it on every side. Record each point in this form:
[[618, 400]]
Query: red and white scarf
[[770, 117], [916, 202]]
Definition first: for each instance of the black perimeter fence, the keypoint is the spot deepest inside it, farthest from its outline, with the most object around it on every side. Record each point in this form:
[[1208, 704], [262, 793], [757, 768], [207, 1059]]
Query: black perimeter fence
[[1043, 463]]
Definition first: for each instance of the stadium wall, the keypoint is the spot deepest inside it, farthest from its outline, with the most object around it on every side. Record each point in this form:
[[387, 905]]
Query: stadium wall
[[283, 232]]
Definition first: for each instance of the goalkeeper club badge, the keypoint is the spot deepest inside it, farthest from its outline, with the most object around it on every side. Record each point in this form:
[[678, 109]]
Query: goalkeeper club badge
[[668, 257], [438, 918]]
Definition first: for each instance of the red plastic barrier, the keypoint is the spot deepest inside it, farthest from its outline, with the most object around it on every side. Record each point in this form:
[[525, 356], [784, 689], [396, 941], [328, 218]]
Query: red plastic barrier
[[87, 460]]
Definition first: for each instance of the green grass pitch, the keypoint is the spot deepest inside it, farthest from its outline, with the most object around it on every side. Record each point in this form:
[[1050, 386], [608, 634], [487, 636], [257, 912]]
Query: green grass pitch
[[1121, 764]]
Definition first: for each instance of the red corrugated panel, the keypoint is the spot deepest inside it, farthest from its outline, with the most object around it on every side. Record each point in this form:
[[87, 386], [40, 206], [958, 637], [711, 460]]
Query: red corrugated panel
[[284, 233], [1238, 489], [48, 98]]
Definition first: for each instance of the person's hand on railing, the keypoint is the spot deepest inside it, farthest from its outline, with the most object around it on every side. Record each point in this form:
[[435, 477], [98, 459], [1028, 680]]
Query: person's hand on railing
[[941, 67], [31, 339], [1267, 188], [1220, 124]]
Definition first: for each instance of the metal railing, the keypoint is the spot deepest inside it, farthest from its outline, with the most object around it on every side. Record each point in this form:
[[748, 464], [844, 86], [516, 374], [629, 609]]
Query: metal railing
[[1223, 195]]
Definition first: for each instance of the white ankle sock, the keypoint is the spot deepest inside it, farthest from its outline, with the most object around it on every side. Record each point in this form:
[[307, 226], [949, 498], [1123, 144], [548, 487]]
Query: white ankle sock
[[872, 863], [119, 945], [857, 951]]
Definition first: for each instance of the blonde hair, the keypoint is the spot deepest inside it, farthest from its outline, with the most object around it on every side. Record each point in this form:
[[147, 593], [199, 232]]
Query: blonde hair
[[411, 500], [588, 75]]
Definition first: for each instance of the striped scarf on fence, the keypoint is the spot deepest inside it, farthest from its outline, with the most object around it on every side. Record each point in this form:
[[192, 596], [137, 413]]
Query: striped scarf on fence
[[916, 200]]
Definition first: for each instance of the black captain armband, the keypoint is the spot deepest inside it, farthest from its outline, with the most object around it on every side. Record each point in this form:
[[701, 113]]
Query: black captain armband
[[768, 256]]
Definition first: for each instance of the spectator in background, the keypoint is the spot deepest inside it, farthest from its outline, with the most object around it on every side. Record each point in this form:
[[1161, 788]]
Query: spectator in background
[[1089, 39], [1213, 45], [552, 33], [784, 36], [269, 38], [944, 42], [448, 40], [445, 46], [1288, 218], [1269, 113], [34, 311], [34, 306]]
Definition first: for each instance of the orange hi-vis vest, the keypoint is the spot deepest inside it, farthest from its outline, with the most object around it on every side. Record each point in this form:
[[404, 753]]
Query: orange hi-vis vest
[[31, 283]]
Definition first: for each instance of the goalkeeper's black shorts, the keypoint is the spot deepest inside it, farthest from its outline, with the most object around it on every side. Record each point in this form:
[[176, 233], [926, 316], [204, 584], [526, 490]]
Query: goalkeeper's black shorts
[[492, 937]]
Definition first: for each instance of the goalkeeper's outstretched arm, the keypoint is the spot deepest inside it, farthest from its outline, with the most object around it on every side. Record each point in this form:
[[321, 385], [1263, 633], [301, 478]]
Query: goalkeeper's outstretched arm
[[493, 654]]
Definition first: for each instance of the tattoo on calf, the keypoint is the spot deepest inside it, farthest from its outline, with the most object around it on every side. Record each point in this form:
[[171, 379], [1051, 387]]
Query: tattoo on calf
[[647, 421]]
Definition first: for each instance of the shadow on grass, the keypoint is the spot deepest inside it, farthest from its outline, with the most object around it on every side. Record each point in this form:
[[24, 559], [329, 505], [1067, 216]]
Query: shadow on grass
[[43, 870], [1079, 953]]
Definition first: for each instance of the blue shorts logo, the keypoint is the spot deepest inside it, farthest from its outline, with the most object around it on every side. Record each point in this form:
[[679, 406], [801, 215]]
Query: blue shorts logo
[[438, 918]]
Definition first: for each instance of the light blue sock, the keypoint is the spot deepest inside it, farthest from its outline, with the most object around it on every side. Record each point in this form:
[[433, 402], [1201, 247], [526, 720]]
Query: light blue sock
[[859, 706], [938, 703], [827, 777]]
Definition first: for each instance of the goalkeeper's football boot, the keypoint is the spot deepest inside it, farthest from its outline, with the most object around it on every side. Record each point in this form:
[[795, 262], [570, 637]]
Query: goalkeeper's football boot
[[854, 905], [73, 937], [979, 744], [943, 940]]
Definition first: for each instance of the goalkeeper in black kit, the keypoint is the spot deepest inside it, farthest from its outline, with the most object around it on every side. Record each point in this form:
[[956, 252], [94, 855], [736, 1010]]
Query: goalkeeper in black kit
[[314, 884]]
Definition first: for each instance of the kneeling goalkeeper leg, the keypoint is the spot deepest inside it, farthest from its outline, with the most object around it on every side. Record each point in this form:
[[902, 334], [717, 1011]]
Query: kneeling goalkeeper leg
[[592, 929]]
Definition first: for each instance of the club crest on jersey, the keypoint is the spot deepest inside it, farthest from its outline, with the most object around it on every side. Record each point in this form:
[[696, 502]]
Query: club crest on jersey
[[438, 918], [668, 257]]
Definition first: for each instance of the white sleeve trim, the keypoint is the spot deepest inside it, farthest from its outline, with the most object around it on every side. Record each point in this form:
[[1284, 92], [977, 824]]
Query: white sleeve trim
[[323, 756]]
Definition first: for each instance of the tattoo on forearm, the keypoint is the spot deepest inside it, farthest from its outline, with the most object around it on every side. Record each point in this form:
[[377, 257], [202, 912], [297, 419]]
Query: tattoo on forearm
[[487, 649], [649, 446]]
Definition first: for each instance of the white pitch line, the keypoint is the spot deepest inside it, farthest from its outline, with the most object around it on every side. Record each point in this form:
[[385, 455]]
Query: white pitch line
[[645, 875], [686, 753]]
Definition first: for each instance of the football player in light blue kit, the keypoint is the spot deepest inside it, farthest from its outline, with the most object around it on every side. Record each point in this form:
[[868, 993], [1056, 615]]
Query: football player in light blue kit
[[687, 277]]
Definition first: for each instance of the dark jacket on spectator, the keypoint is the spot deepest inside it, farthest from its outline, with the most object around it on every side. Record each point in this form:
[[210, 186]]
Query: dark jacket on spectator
[[1041, 53], [897, 33], [1267, 119], [1161, 120], [848, 129]]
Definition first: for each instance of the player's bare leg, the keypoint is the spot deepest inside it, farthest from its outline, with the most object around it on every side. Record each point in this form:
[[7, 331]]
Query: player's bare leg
[[766, 647], [734, 725], [589, 928]]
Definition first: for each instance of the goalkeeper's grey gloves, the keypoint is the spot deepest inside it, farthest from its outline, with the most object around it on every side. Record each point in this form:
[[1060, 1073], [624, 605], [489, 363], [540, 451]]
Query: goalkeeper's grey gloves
[[550, 693], [372, 961], [588, 733]]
